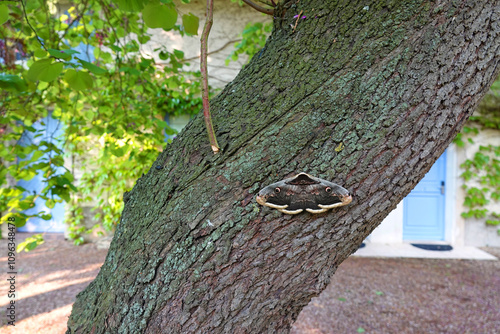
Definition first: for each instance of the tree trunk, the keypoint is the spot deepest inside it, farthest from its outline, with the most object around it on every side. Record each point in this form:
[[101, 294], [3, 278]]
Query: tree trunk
[[366, 94]]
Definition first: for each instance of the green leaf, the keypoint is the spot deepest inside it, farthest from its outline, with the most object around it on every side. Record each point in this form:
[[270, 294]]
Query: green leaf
[[79, 241], [25, 205], [131, 5], [30, 243], [143, 39], [26, 174], [21, 220], [59, 54], [178, 54], [115, 48], [50, 203], [88, 115], [159, 16], [37, 155], [191, 23], [163, 55], [161, 123], [78, 80], [360, 330], [12, 82], [119, 152], [46, 217], [45, 70], [4, 14], [91, 67], [64, 54], [62, 181], [40, 53]]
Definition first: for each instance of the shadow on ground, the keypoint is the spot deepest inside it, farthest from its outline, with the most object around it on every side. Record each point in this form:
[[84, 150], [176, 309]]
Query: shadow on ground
[[371, 295]]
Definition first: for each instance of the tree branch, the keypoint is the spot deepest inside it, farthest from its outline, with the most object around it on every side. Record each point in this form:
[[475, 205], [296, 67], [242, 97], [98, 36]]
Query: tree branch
[[204, 76], [31, 27], [267, 11], [213, 51]]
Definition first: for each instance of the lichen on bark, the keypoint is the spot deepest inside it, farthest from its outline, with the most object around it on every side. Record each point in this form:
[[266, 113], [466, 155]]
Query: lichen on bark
[[391, 82]]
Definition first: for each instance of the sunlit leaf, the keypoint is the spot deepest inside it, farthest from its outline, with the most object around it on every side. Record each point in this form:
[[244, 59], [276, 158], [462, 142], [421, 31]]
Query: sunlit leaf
[[40, 53], [4, 14], [191, 23], [21, 220], [30, 243], [131, 5], [89, 115], [45, 70], [91, 67], [159, 16], [50, 203], [46, 217], [78, 80]]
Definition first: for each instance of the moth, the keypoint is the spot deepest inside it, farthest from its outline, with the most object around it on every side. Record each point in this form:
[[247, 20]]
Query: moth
[[303, 192]]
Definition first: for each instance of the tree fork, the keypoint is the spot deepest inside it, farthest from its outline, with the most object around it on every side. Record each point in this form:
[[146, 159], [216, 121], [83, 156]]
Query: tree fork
[[364, 94]]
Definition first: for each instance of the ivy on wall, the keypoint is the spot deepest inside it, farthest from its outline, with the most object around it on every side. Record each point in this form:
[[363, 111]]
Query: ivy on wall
[[482, 172]]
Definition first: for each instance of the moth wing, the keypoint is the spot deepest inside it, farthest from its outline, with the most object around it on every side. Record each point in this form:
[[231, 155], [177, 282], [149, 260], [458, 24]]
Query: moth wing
[[291, 212], [331, 206], [317, 210]]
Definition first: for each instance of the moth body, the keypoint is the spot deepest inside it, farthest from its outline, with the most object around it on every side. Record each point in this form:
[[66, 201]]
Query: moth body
[[303, 192]]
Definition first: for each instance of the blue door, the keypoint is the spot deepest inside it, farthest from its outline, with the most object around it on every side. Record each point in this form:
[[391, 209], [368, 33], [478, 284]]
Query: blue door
[[423, 208], [50, 128]]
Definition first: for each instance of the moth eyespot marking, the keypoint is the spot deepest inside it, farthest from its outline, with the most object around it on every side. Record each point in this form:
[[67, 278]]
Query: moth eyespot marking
[[277, 190], [328, 189]]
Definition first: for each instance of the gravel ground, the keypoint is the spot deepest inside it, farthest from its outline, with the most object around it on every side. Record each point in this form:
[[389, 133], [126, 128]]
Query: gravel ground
[[369, 295]]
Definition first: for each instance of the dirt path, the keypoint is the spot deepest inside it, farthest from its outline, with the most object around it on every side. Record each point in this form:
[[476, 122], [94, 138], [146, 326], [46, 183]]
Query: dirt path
[[374, 295]]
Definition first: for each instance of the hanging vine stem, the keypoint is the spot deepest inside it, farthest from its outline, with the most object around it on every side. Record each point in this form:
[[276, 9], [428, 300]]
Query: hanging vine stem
[[204, 76]]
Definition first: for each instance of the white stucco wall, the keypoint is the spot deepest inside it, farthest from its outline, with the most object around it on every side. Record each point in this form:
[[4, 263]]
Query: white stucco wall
[[391, 229]]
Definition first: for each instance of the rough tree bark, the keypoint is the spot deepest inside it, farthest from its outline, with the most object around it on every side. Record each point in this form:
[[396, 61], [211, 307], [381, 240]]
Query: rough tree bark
[[367, 94]]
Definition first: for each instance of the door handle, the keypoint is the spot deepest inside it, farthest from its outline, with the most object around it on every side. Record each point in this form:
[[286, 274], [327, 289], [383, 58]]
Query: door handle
[[442, 187]]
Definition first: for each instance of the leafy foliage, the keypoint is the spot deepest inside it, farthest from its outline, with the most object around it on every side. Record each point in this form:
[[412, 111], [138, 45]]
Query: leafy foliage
[[83, 63], [482, 172], [30, 243], [254, 39]]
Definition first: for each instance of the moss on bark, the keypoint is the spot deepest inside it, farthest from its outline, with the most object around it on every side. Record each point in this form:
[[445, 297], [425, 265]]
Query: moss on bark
[[365, 94]]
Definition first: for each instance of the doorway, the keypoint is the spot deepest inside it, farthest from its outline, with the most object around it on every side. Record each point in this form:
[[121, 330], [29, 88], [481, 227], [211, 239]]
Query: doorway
[[424, 207]]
